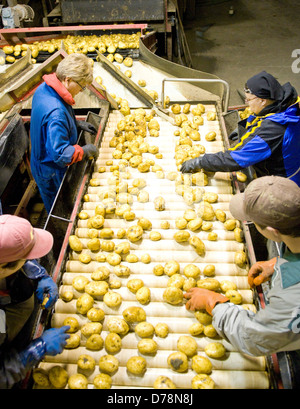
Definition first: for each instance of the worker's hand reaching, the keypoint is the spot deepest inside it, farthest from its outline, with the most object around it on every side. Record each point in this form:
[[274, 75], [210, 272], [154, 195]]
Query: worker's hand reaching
[[191, 165], [86, 126], [202, 299], [47, 287], [261, 272]]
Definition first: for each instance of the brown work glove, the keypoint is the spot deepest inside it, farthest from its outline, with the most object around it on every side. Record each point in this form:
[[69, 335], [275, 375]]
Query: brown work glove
[[201, 299], [261, 272]]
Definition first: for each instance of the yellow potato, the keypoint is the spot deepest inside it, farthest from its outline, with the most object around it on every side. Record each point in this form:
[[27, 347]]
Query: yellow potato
[[144, 329], [159, 203], [234, 296], [161, 330], [58, 377], [96, 288], [203, 317], [40, 377], [136, 365], [102, 381], [191, 270], [84, 258], [176, 280], [187, 345], [122, 270], [196, 329], [91, 328], [171, 267], [143, 295], [210, 331], [215, 350], [108, 364], [75, 243], [117, 325], [84, 303], [202, 381], [178, 361], [209, 284], [73, 323], [94, 342], [147, 346], [173, 295], [86, 362], [198, 245], [201, 364], [112, 299], [73, 342], [163, 382], [113, 343], [135, 233], [78, 381], [101, 273], [209, 270], [227, 285], [134, 314], [240, 258], [80, 282], [181, 236]]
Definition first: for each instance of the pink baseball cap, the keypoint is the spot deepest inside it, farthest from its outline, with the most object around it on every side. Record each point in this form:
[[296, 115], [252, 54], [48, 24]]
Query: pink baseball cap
[[19, 240]]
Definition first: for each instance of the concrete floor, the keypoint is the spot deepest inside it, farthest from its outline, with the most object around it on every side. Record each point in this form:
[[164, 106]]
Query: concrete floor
[[260, 35]]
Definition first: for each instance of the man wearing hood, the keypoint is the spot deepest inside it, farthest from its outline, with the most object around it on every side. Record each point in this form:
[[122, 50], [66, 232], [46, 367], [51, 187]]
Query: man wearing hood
[[268, 139]]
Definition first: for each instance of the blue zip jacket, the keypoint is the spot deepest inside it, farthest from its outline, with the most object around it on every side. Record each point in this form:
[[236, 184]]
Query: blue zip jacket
[[269, 142], [53, 133]]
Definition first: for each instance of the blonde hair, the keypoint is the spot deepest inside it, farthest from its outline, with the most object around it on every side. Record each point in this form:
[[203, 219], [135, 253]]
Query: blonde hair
[[77, 67]]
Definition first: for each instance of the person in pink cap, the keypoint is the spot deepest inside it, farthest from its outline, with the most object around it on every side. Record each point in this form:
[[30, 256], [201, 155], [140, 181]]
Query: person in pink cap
[[22, 280]]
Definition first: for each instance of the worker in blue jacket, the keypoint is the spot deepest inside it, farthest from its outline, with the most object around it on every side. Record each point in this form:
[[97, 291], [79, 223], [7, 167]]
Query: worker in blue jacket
[[54, 128], [268, 140], [22, 280]]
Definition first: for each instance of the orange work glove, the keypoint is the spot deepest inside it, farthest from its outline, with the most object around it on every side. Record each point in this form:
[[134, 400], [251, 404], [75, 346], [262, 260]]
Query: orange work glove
[[201, 299], [261, 272]]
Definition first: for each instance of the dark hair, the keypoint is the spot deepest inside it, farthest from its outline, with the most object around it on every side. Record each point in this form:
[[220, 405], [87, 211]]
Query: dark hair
[[291, 231]]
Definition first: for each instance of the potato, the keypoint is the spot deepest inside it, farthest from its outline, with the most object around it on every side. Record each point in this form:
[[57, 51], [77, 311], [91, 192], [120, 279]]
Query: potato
[[58, 377], [107, 245], [80, 282], [147, 346], [73, 323], [113, 343], [209, 270], [161, 330], [106, 233], [143, 295], [196, 329], [203, 317], [202, 381], [155, 236], [117, 325], [134, 314], [112, 299], [189, 283], [198, 245], [128, 62], [176, 280], [191, 271], [176, 109], [134, 284], [210, 136], [241, 177], [136, 365], [91, 328], [75, 243], [210, 197], [139, 182], [238, 235], [73, 342], [164, 224], [227, 285], [211, 116], [230, 224], [96, 222], [181, 223], [146, 258], [181, 236], [67, 295], [96, 288], [209, 284], [163, 382], [173, 295], [178, 361], [84, 258], [143, 197], [94, 342], [86, 362], [220, 215], [144, 329], [100, 274], [210, 331], [135, 233], [234, 296], [206, 226], [215, 350], [195, 224], [78, 381], [93, 244], [171, 267], [113, 259], [108, 364], [206, 211], [240, 258], [102, 381], [122, 248], [114, 283], [187, 345], [84, 303], [40, 377]]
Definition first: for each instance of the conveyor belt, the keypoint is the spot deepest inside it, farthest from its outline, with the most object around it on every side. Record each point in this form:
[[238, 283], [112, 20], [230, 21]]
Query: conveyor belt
[[236, 370]]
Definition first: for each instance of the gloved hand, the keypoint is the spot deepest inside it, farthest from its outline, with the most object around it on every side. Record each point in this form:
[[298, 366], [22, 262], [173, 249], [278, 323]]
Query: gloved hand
[[191, 165], [90, 150], [202, 299], [234, 136], [261, 272], [55, 339], [47, 287], [87, 126]]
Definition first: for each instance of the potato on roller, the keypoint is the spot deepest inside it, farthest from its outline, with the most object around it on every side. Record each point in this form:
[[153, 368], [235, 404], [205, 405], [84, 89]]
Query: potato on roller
[[191, 271], [198, 245], [108, 364], [113, 259], [238, 235], [176, 280], [84, 303], [84, 258], [136, 365], [75, 243], [240, 258], [73, 323], [215, 350], [96, 288], [135, 233], [80, 282], [94, 244], [94, 342], [161, 330], [159, 203], [86, 362], [201, 364], [117, 325], [209, 284], [230, 224], [227, 285], [134, 284], [178, 361], [73, 342], [78, 381], [181, 236], [187, 345], [203, 317], [210, 331], [209, 270], [134, 314], [173, 295], [144, 329], [234, 296], [163, 382], [112, 299], [113, 343], [196, 329], [202, 381], [40, 377], [58, 377], [102, 381], [101, 273], [147, 346], [206, 211], [91, 328], [143, 295]]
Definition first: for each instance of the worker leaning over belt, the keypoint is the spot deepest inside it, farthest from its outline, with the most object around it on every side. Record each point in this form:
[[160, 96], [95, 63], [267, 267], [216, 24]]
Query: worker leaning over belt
[[273, 204], [268, 140], [21, 279], [54, 128]]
